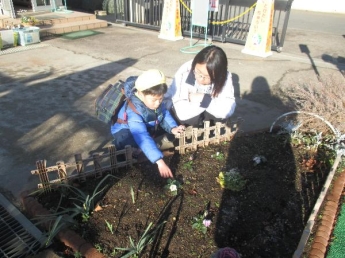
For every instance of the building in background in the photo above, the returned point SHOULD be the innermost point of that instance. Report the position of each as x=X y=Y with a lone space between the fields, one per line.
x=10 y=7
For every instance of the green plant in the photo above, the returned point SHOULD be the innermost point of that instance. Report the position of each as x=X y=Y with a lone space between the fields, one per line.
x=77 y=254
x=84 y=202
x=61 y=221
x=132 y=194
x=87 y=201
x=110 y=227
x=231 y=180
x=218 y=156
x=173 y=186
x=98 y=247
x=113 y=253
x=188 y=165
x=145 y=239
x=29 y=19
x=201 y=222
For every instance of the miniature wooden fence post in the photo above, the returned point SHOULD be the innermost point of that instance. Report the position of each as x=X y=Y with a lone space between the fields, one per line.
x=113 y=159
x=61 y=170
x=79 y=167
x=207 y=133
x=129 y=156
x=97 y=165
x=43 y=175
x=182 y=143
x=228 y=133
x=217 y=132
x=195 y=139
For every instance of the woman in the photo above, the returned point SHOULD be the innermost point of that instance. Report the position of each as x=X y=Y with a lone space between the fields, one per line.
x=202 y=89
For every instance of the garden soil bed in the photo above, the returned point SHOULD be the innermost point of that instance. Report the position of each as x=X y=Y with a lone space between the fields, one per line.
x=264 y=219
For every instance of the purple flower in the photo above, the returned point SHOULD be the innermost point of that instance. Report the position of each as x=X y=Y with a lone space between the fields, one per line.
x=227 y=252
x=206 y=222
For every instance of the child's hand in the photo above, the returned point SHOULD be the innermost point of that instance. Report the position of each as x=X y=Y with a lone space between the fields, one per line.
x=164 y=170
x=178 y=129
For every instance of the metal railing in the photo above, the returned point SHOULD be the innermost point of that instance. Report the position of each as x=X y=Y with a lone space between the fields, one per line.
x=223 y=27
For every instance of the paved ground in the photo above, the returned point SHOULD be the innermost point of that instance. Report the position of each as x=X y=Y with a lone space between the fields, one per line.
x=48 y=89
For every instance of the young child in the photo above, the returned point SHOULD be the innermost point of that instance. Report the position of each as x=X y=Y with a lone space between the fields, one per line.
x=202 y=89
x=140 y=119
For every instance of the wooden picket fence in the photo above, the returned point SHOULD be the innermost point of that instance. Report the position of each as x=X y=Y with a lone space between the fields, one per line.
x=94 y=166
x=201 y=137
x=107 y=162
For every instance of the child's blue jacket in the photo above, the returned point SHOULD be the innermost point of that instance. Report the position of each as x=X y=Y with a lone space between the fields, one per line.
x=142 y=125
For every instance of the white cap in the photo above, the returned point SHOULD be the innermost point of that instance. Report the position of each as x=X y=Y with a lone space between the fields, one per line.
x=149 y=79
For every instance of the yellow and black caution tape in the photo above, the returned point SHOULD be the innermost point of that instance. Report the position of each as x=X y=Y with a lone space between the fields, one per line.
x=222 y=22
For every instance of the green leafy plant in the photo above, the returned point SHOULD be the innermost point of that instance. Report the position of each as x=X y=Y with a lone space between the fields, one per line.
x=218 y=156
x=84 y=203
x=87 y=202
x=29 y=19
x=77 y=254
x=188 y=165
x=231 y=180
x=55 y=223
x=198 y=224
x=201 y=222
x=173 y=185
x=110 y=227
x=113 y=253
x=145 y=239
x=98 y=247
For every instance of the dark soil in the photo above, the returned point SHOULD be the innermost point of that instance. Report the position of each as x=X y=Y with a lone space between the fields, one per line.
x=264 y=219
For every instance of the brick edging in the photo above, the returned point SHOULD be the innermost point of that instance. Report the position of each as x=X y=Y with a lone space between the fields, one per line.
x=325 y=227
x=67 y=236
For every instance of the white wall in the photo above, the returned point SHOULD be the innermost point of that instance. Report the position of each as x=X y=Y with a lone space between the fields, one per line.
x=328 y=6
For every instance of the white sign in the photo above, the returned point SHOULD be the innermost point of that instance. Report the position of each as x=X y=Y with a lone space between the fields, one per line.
x=214 y=5
x=171 y=21
x=259 y=38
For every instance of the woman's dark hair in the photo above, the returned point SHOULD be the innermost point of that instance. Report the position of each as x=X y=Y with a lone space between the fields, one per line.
x=217 y=66
x=158 y=90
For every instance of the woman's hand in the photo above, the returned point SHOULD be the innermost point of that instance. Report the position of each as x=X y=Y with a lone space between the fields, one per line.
x=163 y=168
x=178 y=129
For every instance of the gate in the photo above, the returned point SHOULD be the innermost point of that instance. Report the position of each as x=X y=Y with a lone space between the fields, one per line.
x=230 y=24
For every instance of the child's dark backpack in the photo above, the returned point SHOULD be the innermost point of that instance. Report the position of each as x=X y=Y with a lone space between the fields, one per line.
x=109 y=103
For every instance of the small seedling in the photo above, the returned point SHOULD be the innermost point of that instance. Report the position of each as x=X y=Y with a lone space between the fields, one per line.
x=113 y=253
x=173 y=185
x=198 y=224
x=98 y=247
x=201 y=222
x=77 y=254
x=110 y=227
x=188 y=165
x=218 y=156
x=144 y=240
x=132 y=194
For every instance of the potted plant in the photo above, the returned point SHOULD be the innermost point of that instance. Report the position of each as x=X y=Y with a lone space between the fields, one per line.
x=29 y=21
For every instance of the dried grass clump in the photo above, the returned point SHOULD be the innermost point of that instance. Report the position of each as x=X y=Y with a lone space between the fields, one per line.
x=325 y=98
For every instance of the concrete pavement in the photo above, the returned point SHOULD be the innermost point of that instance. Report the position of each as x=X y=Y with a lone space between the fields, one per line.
x=47 y=90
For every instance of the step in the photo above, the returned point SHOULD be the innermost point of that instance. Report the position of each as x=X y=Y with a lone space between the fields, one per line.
x=62 y=28
x=48 y=18
x=60 y=18
x=5 y=20
x=58 y=22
